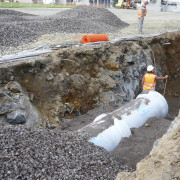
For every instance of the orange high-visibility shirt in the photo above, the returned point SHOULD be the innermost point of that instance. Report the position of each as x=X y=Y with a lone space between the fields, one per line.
x=142 y=11
x=149 y=82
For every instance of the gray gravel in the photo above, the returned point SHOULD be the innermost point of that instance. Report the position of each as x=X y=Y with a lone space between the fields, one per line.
x=52 y=154
x=155 y=22
x=17 y=27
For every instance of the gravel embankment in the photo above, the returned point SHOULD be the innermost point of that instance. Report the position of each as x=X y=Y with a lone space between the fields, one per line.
x=52 y=154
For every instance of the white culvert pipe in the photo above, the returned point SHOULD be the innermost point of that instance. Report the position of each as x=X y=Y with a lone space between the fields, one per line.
x=107 y=129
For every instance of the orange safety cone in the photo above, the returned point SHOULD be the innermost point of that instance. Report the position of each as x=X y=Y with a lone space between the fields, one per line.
x=94 y=38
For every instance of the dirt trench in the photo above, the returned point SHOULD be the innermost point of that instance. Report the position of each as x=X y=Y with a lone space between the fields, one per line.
x=71 y=81
x=69 y=87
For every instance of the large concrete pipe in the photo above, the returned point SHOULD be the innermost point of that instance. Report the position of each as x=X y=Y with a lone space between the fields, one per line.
x=107 y=129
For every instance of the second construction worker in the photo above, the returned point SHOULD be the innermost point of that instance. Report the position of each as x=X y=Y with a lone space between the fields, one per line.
x=149 y=80
x=141 y=13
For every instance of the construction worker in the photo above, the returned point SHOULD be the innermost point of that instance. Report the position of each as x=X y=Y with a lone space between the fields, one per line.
x=149 y=80
x=141 y=13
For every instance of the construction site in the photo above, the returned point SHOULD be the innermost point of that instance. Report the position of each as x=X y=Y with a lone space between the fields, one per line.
x=71 y=102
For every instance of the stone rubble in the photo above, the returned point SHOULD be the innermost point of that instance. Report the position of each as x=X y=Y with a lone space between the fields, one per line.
x=52 y=154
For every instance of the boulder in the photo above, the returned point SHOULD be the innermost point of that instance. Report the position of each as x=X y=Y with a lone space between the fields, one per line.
x=15 y=106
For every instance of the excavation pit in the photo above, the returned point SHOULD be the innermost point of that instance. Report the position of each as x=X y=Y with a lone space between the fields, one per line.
x=68 y=87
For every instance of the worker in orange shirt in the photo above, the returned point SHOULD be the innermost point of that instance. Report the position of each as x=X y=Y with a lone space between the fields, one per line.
x=149 y=80
x=141 y=13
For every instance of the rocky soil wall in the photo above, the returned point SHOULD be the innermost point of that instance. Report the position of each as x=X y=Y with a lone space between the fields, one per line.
x=71 y=81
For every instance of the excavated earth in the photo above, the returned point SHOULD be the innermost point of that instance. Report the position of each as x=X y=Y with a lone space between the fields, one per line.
x=63 y=90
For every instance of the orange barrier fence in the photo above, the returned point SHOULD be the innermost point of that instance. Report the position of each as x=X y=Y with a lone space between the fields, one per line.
x=94 y=38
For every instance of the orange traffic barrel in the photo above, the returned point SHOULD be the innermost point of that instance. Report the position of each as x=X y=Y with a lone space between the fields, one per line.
x=94 y=38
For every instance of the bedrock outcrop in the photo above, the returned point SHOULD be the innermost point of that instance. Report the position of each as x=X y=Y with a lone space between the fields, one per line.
x=15 y=106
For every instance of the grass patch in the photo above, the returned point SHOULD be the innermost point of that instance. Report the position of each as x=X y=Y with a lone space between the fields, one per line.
x=20 y=5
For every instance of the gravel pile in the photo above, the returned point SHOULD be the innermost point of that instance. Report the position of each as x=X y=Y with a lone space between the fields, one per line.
x=17 y=27
x=52 y=154
x=86 y=19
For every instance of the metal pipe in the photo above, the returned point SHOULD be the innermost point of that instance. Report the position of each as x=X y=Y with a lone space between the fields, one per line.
x=107 y=129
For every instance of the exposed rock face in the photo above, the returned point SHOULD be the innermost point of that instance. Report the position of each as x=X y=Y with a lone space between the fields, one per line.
x=15 y=106
x=74 y=80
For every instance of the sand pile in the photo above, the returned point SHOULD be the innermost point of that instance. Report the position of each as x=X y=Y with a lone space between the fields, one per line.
x=17 y=28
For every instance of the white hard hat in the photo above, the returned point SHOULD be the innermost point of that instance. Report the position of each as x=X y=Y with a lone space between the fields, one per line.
x=150 y=68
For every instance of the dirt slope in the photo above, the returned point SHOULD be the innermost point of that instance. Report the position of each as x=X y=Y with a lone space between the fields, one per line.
x=163 y=161
x=133 y=149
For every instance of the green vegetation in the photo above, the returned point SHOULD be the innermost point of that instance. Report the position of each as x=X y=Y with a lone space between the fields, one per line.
x=19 y=5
